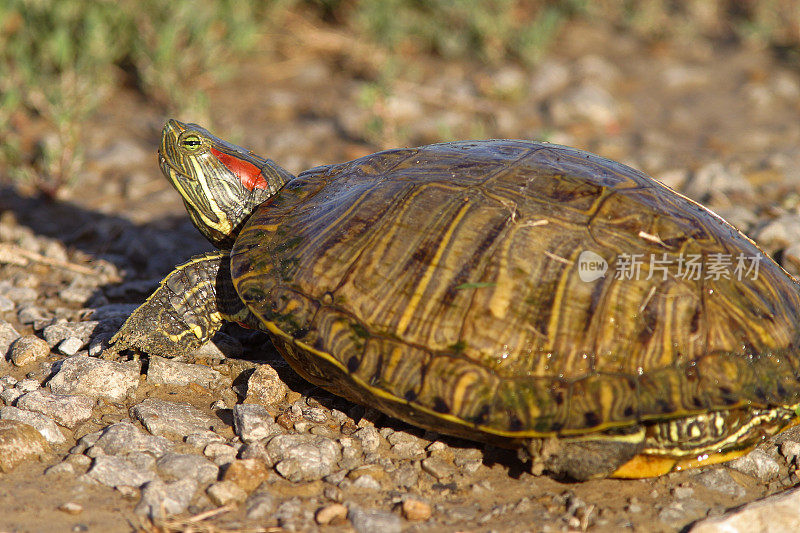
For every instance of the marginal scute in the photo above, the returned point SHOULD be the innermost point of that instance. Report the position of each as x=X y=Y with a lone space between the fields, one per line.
x=527 y=401
x=606 y=397
x=398 y=368
x=339 y=335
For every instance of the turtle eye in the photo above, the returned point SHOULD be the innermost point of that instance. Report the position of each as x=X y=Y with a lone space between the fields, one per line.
x=191 y=142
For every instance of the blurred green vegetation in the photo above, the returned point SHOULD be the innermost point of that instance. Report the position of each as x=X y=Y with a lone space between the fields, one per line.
x=491 y=31
x=60 y=58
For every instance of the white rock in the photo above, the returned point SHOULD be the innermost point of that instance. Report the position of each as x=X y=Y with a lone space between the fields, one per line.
x=69 y=410
x=27 y=385
x=172 y=419
x=264 y=386
x=125 y=438
x=188 y=465
x=549 y=78
x=252 y=422
x=587 y=102
x=70 y=346
x=115 y=471
x=166 y=372
x=42 y=423
x=225 y=492
x=780 y=233
x=7 y=337
x=775 y=514
x=757 y=464
x=95 y=378
x=160 y=499
x=304 y=457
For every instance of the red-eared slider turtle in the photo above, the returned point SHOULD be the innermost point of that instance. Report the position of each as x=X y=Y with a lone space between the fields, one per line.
x=512 y=292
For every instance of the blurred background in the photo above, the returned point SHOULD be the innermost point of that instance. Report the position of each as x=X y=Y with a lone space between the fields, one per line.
x=702 y=94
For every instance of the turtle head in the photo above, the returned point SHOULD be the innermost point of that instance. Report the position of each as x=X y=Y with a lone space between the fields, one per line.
x=221 y=183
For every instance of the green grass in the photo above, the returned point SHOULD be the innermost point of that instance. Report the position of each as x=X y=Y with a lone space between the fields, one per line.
x=59 y=59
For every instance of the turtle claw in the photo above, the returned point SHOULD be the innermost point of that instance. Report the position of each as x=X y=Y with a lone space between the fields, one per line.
x=110 y=348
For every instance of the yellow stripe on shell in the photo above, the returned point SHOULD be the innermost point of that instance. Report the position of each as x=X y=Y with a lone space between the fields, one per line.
x=419 y=292
x=555 y=308
x=461 y=388
x=501 y=294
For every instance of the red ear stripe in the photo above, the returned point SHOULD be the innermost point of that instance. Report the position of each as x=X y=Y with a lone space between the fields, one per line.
x=248 y=173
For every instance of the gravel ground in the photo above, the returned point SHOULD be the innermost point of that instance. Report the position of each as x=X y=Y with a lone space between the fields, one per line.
x=231 y=436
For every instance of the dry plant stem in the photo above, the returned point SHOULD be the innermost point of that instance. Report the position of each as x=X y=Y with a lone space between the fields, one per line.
x=15 y=255
x=193 y=524
x=211 y=513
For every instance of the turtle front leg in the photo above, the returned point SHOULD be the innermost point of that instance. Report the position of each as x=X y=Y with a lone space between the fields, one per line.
x=186 y=310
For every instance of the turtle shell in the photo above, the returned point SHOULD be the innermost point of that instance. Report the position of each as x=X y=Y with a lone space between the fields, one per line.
x=480 y=288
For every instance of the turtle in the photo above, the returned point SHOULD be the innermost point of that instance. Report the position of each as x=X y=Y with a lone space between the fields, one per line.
x=522 y=294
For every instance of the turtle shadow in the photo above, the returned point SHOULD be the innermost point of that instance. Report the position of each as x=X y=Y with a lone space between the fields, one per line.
x=140 y=253
x=492 y=456
x=135 y=249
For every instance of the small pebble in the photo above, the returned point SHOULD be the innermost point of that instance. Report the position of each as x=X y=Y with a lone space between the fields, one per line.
x=67 y=410
x=70 y=346
x=304 y=457
x=202 y=439
x=43 y=424
x=9 y=396
x=757 y=464
x=60 y=469
x=28 y=349
x=159 y=499
x=95 y=378
x=253 y=422
x=260 y=505
x=19 y=442
x=247 y=473
x=27 y=385
x=415 y=510
x=371 y=520
x=790 y=450
x=8 y=335
x=78 y=461
x=437 y=467
x=683 y=492
x=174 y=419
x=366 y=482
x=115 y=471
x=225 y=492
x=331 y=514
x=167 y=372
x=186 y=466
x=71 y=508
x=6 y=304
x=265 y=386
x=220 y=453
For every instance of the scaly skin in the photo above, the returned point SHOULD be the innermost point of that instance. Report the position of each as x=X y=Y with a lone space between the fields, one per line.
x=187 y=309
